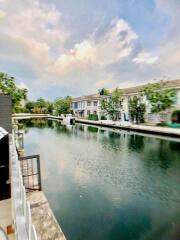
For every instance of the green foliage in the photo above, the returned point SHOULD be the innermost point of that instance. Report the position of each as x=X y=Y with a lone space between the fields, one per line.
x=8 y=87
x=20 y=109
x=50 y=108
x=30 y=106
x=136 y=109
x=103 y=92
x=103 y=117
x=159 y=96
x=112 y=103
x=93 y=117
x=40 y=106
x=175 y=117
x=63 y=105
x=92 y=129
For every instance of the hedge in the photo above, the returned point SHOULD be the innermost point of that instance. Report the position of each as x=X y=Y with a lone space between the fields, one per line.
x=93 y=117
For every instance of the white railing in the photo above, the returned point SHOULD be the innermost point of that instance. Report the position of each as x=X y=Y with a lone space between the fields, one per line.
x=24 y=229
x=29 y=115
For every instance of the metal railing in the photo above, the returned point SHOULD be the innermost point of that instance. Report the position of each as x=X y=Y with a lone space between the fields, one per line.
x=24 y=229
x=31 y=173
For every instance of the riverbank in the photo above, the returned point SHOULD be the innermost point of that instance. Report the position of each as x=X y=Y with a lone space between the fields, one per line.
x=43 y=218
x=134 y=127
x=165 y=131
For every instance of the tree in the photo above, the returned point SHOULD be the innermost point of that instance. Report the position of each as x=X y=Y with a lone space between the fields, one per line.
x=30 y=106
x=159 y=96
x=8 y=87
x=63 y=105
x=112 y=103
x=136 y=109
x=40 y=106
x=50 y=107
x=103 y=91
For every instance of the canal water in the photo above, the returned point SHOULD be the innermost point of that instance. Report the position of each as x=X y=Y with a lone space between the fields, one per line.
x=108 y=185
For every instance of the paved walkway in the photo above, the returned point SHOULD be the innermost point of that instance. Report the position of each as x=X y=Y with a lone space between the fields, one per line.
x=6 y=217
x=43 y=218
x=139 y=128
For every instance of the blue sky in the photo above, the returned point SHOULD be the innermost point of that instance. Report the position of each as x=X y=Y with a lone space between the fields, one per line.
x=57 y=48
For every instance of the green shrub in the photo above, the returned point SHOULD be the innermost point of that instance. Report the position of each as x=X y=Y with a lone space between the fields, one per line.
x=93 y=117
x=175 y=117
x=161 y=124
x=103 y=118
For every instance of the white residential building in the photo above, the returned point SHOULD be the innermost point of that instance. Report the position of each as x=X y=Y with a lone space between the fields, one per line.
x=85 y=105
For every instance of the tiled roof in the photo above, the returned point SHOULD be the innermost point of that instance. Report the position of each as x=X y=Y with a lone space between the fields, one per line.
x=136 y=89
x=130 y=90
x=91 y=97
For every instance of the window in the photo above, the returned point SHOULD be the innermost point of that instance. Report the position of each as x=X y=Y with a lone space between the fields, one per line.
x=88 y=112
x=95 y=103
x=95 y=112
x=75 y=105
x=89 y=103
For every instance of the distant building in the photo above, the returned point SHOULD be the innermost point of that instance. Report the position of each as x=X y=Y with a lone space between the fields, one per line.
x=86 y=105
x=166 y=116
x=90 y=104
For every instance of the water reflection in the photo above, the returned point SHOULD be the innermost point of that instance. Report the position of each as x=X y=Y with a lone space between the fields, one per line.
x=136 y=142
x=92 y=129
x=105 y=184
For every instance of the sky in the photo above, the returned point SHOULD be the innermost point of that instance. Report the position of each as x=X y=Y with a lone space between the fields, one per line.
x=56 y=48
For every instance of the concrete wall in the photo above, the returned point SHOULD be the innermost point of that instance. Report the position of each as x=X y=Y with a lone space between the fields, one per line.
x=5 y=112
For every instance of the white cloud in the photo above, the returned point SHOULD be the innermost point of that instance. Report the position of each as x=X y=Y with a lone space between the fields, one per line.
x=22 y=85
x=114 y=45
x=145 y=58
x=117 y=43
x=104 y=82
x=83 y=53
x=169 y=50
x=35 y=26
x=34 y=34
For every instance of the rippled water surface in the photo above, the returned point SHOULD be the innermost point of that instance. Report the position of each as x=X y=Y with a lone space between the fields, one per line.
x=105 y=185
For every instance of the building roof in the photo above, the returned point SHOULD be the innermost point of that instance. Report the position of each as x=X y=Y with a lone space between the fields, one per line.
x=127 y=91
x=136 y=89
x=91 y=97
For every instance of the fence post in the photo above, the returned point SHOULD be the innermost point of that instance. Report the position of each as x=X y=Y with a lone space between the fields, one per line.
x=24 y=201
x=39 y=172
x=28 y=219
x=33 y=233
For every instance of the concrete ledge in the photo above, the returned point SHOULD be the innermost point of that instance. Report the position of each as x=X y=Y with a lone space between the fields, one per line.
x=165 y=131
x=43 y=218
x=133 y=127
